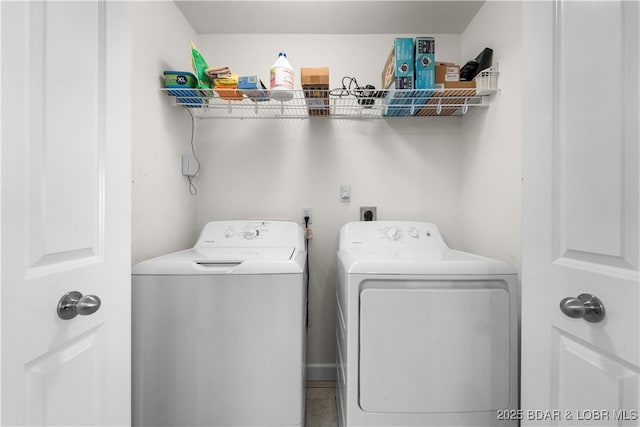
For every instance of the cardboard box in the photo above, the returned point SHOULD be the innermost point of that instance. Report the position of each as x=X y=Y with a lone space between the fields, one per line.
x=253 y=88
x=399 y=103
x=404 y=57
x=226 y=87
x=388 y=73
x=425 y=66
x=398 y=70
x=447 y=72
x=315 y=84
x=456 y=85
x=447 y=103
x=310 y=76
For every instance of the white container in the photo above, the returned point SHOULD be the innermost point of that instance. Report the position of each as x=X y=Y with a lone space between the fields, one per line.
x=282 y=79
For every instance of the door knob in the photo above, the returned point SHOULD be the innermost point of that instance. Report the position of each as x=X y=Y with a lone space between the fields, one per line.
x=586 y=306
x=73 y=303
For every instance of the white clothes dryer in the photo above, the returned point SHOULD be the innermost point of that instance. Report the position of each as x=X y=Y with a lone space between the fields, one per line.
x=426 y=335
x=219 y=331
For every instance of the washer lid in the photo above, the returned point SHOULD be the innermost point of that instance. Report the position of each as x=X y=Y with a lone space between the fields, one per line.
x=408 y=261
x=241 y=260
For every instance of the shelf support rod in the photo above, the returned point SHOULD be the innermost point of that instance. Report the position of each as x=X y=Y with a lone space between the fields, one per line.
x=465 y=107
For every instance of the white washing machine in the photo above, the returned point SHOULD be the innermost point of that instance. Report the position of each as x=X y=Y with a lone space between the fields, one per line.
x=426 y=335
x=219 y=331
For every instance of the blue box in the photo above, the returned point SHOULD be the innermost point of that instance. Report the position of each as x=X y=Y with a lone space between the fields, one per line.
x=404 y=57
x=253 y=88
x=399 y=103
x=425 y=69
x=425 y=64
x=181 y=84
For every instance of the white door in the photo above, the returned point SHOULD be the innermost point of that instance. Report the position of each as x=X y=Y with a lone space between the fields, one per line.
x=65 y=176
x=580 y=221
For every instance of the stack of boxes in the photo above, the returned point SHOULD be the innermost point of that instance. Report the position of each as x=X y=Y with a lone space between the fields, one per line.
x=398 y=73
x=448 y=77
x=315 y=84
x=411 y=76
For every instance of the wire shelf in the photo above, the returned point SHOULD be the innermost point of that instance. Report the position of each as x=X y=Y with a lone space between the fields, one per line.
x=246 y=104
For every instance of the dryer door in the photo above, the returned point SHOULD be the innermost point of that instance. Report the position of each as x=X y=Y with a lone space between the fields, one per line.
x=434 y=346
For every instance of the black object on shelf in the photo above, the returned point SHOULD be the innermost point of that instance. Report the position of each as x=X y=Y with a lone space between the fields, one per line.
x=473 y=67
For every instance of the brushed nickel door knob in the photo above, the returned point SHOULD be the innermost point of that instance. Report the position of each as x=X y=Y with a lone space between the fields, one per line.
x=74 y=303
x=586 y=306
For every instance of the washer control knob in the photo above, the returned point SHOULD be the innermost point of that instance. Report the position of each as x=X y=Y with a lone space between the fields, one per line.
x=414 y=233
x=228 y=233
x=251 y=233
x=393 y=233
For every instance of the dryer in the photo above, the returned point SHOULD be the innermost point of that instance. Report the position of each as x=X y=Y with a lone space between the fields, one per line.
x=219 y=330
x=426 y=335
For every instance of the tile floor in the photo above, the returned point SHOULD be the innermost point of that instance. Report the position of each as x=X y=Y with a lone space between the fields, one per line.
x=321 y=404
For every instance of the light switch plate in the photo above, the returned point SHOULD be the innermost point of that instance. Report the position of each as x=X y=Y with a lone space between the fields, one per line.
x=345 y=193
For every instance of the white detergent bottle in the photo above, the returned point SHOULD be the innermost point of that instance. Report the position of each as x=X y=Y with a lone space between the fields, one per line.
x=282 y=79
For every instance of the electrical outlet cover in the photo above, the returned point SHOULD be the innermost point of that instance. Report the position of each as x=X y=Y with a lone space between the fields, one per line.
x=368 y=213
x=307 y=212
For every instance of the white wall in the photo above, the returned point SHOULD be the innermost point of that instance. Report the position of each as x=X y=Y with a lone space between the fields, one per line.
x=163 y=214
x=409 y=169
x=491 y=162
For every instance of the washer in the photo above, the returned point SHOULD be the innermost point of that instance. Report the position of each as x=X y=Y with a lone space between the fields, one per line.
x=219 y=331
x=426 y=335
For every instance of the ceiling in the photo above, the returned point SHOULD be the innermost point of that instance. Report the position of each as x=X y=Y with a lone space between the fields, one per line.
x=329 y=16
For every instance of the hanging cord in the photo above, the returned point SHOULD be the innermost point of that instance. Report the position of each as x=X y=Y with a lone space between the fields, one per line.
x=347 y=89
x=306 y=248
x=193 y=190
x=365 y=94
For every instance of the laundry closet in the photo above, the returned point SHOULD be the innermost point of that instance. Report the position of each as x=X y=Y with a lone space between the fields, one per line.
x=543 y=177
x=462 y=173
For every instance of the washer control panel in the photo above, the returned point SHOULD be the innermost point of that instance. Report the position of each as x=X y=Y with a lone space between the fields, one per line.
x=247 y=230
x=263 y=233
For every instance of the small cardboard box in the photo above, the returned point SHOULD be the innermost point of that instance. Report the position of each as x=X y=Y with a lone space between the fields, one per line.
x=311 y=76
x=315 y=84
x=447 y=72
x=226 y=87
x=456 y=85
x=253 y=88
x=388 y=71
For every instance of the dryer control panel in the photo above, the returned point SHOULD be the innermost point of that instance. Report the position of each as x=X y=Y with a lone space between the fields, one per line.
x=251 y=233
x=407 y=234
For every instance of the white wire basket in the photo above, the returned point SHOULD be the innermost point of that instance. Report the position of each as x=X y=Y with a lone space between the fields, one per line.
x=487 y=78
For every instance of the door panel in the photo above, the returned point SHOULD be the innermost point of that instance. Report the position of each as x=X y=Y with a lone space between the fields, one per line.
x=65 y=165
x=50 y=377
x=594 y=85
x=65 y=197
x=580 y=214
x=582 y=365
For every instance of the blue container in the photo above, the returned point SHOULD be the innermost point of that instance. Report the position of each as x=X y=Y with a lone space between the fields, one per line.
x=183 y=83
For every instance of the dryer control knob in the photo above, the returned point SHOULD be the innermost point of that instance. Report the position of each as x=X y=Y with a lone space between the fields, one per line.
x=228 y=233
x=414 y=233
